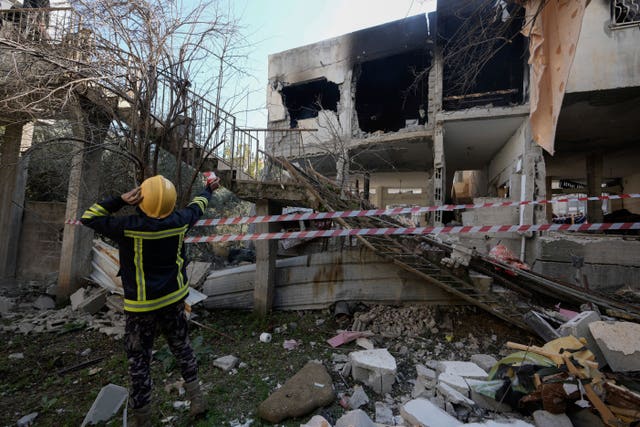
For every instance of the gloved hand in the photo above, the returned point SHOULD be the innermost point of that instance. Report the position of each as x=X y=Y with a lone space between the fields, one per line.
x=213 y=182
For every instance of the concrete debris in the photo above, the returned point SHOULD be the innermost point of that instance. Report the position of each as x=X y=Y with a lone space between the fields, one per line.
x=6 y=306
x=384 y=414
x=307 y=390
x=365 y=343
x=457 y=382
x=226 y=363
x=547 y=419
x=453 y=396
x=484 y=361
x=27 y=420
x=316 y=421
x=463 y=369
x=481 y=282
x=89 y=300
x=394 y=322
x=16 y=356
x=426 y=376
x=578 y=326
x=375 y=368
x=356 y=418
x=77 y=298
x=44 y=302
x=110 y=399
x=197 y=272
x=358 y=398
x=619 y=343
x=422 y=412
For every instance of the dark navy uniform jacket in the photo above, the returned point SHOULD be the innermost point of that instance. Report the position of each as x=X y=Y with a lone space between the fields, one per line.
x=152 y=255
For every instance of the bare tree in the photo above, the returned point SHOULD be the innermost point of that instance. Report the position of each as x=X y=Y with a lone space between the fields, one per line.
x=146 y=70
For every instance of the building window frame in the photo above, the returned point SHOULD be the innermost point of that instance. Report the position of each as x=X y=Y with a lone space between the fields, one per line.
x=624 y=14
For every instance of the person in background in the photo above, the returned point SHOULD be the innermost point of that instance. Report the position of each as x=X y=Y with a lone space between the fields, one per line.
x=153 y=272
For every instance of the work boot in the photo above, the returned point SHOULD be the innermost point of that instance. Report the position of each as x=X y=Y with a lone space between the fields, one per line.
x=142 y=416
x=194 y=394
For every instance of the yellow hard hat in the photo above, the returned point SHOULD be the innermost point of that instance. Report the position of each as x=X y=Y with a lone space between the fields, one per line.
x=158 y=197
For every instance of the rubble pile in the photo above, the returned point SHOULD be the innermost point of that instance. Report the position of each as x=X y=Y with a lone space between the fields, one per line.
x=85 y=311
x=393 y=322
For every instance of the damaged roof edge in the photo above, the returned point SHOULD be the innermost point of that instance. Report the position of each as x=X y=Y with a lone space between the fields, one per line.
x=396 y=36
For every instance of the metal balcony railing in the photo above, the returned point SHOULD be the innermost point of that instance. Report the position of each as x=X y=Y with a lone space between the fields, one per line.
x=59 y=26
x=207 y=130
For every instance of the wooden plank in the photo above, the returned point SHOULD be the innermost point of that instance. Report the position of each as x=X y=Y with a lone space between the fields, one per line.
x=266 y=251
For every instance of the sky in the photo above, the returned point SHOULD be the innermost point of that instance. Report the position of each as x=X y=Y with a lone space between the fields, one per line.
x=276 y=25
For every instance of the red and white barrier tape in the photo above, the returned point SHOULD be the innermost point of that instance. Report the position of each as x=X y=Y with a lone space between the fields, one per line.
x=415 y=230
x=394 y=211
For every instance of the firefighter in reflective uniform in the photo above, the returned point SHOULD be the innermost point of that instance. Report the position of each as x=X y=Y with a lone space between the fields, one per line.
x=152 y=268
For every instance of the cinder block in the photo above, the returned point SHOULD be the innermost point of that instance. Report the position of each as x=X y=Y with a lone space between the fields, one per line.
x=579 y=328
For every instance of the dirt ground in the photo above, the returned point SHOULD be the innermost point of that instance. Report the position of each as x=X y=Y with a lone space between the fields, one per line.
x=38 y=382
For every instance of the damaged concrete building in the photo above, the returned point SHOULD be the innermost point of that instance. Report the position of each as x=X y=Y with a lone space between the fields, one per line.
x=435 y=109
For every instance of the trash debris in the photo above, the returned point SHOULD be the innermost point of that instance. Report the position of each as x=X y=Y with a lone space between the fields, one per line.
x=290 y=344
x=347 y=336
x=110 y=399
x=502 y=254
x=265 y=337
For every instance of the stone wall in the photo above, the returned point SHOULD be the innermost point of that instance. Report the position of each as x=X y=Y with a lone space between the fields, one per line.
x=40 y=240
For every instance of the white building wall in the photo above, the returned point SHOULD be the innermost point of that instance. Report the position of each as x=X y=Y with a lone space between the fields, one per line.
x=606 y=58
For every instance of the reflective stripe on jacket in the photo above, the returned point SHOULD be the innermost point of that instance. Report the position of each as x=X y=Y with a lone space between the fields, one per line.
x=152 y=254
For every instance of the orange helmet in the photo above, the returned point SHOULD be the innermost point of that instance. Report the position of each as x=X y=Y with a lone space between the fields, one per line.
x=158 y=197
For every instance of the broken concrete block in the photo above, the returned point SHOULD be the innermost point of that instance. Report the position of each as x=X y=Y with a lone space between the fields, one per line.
x=453 y=396
x=77 y=298
x=457 y=382
x=358 y=398
x=107 y=404
x=484 y=361
x=426 y=376
x=316 y=421
x=375 y=368
x=619 y=343
x=44 y=303
x=356 y=418
x=6 y=305
x=27 y=420
x=93 y=302
x=197 y=272
x=384 y=414
x=421 y=412
x=579 y=328
x=480 y=281
x=419 y=390
x=547 y=419
x=365 y=343
x=307 y=390
x=463 y=369
x=226 y=363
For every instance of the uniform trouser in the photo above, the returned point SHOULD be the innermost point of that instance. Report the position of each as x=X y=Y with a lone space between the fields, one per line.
x=140 y=332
